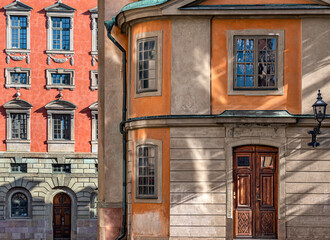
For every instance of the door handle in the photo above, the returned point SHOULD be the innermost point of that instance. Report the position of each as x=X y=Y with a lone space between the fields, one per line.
x=234 y=195
x=257 y=193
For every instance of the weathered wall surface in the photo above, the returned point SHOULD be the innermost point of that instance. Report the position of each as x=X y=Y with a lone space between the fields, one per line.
x=315 y=61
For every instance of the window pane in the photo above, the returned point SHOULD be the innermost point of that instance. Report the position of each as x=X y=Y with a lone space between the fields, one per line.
x=18 y=125
x=240 y=44
x=61 y=126
x=19 y=205
x=240 y=82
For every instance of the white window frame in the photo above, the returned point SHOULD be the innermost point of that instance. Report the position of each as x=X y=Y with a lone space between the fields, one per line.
x=94 y=27
x=158 y=170
x=59 y=10
x=94 y=113
x=10 y=194
x=280 y=61
x=49 y=83
x=60 y=107
x=18 y=106
x=94 y=84
x=9 y=84
x=159 y=66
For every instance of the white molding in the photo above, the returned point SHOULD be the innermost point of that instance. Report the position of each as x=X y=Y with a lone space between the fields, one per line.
x=94 y=84
x=8 y=83
x=50 y=85
x=94 y=112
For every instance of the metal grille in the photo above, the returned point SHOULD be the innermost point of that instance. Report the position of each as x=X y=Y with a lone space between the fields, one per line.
x=61 y=168
x=61 y=33
x=146 y=175
x=61 y=79
x=18 y=32
x=18 y=78
x=255 y=64
x=18 y=126
x=19 y=205
x=18 y=167
x=61 y=126
x=147 y=65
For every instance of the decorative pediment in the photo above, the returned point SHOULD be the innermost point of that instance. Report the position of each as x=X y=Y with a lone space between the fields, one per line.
x=17 y=6
x=93 y=10
x=60 y=105
x=93 y=107
x=60 y=7
x=17 y=104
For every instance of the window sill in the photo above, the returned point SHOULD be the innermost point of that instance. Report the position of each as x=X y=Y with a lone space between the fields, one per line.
x=94 y=144
x=17 y=86
x=17 y=50
x=18 y=141
x=278 y=92
x=59 y=87
x=94 y=53
x=65 y=52
x=61 y=141
x=61 y=145
x=94 y=88
x=18 y=145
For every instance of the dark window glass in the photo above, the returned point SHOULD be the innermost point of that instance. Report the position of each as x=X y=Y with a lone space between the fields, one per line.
x=19 y=205
x=96 y=127
x=243 y=161
x=96 y=168
x=62 y=126
x=61 y=168
x=18 y=78
x=61 y=33
x=18 y=167
x=18 y=32
x=18 y=126
x=61 y=79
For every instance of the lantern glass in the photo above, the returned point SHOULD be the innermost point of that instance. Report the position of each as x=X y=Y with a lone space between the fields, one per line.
x=319 y=112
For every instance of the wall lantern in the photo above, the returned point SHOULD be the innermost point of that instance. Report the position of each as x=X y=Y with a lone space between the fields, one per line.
x=319 y=109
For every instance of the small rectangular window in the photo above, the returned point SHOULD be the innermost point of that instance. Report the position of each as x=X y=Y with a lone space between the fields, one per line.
x=18 y=78
x=146 y=172
x=18 y=167
x=96 y=168
x=243 y=161
x=255 y=66
x=147 y=65
x=60 y=79
x=61 y=126
x=18 y=32
x=18 y=125
x=61 y=168
x=61 y=33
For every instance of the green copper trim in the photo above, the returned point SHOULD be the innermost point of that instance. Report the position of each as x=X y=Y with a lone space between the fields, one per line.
x=142 y=4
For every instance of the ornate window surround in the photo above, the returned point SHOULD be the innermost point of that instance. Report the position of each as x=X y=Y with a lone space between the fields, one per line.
x=280 y=63
x=159 y=65
x=94 y=26
x=158 y=170
x=94 y=84
x=18 y=106
x=50 y=85
x=60 y=107
x=59 y=9
x=17 y=8
x=94 y=111
x=9 y=195
x=8 y=83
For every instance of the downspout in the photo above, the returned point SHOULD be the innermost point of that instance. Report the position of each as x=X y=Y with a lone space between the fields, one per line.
x=109 y=25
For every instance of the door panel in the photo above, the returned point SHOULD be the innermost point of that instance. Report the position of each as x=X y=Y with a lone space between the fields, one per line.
x=255 y=191
x=62 y=216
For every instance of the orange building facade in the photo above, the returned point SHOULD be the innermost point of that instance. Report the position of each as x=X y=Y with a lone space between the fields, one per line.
x=216 y=109
x=48 y=108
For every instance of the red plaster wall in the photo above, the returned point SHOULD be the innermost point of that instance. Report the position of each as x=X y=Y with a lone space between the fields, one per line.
x=38 y=96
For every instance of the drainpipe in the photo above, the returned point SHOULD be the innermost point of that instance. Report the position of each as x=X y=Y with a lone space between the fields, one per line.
x=109 y=25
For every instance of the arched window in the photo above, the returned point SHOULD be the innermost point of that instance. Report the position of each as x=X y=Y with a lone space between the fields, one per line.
x=19 y=205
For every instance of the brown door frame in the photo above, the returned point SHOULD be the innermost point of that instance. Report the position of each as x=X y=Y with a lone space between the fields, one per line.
x=257 y=171
x=62 y=207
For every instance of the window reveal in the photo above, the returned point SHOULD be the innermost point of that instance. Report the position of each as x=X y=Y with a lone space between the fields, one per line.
x=19 y=205
x=61 y=33
x=18 y=32
x=61 y=126
x=146 y=172
x=256 y=62
x=147 y=64
x=18 y=126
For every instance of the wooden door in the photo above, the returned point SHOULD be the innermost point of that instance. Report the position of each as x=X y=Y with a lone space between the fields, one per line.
x=255 y=192
x=62 y=216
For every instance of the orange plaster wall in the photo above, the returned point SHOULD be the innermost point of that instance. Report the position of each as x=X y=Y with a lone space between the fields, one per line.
x=163 y=209
x=291 y=100
x=38 y=96
x=158 y=105
x=244 y=2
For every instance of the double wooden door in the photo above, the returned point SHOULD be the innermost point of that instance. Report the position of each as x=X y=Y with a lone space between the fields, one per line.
x=255 y=192
x=62 y=217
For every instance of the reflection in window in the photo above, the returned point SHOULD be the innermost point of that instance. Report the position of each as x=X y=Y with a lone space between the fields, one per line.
x=18 y=125
x=61 y=33
x=18 y=167
x=18 y=78
x=60 y=79
x=18 y=32
x=256 y=59
x=267 y=161
x=19 y=205
x=61 y=126
x=61 y=168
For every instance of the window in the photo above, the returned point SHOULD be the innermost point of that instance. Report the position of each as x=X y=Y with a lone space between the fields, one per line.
x=61 y=33
x=18 y=31
x=255 y=62
x=94 y=80
x=93 y=205
x=18 y=125
x=18 y=167
x=19 y=205
x=148 y=171
x=60 y=78
x=61 y=126
x=18 y=77
x=96 y=168
x=61 y=168
x=148 y=64
x=94 y=113
x=94 y=26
